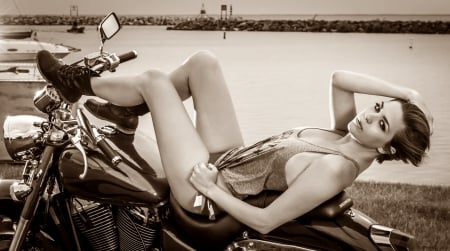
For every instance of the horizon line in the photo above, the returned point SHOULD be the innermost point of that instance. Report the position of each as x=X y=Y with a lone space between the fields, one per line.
x=252 y=14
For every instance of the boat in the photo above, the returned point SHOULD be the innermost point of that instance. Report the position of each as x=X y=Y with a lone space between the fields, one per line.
x=75 y=28
x=25 y=50
x=19 y=72
x=78 y=29
x=14 y=34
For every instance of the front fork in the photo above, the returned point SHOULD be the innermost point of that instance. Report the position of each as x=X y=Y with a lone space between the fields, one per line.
x=38 y=186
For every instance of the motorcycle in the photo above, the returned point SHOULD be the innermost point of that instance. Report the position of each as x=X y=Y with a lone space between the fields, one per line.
x=86 y=187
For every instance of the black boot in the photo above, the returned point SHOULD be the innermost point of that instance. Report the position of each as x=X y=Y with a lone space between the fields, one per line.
x=70 y=81
x=125 y=118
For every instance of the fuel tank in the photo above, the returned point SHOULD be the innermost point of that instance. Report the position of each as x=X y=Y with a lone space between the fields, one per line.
x=132 y=182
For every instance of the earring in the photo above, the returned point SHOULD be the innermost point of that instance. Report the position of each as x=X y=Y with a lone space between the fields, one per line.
x=393 y=150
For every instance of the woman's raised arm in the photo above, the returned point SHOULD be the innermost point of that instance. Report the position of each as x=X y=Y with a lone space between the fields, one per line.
x=344 y=84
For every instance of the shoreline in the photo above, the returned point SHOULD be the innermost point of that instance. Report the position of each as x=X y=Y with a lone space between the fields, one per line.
x=211 y=23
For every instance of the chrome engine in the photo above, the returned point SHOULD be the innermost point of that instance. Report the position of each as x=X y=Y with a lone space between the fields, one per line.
x=109 y=228
x=136 y=231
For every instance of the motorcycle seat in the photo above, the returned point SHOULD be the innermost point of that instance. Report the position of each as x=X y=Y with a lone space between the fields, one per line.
x=225 y=228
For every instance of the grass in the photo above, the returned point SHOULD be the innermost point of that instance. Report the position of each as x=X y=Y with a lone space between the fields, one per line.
x=422 y=211
x=10 y=169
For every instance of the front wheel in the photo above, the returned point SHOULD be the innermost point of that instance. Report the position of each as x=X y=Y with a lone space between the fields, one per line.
x=34 y=241
x=6 y=232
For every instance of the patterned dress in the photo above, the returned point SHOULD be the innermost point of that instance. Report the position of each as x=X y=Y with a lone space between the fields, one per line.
x=250 y=170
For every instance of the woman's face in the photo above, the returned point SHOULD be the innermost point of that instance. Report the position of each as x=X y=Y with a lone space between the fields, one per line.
x=376 y=125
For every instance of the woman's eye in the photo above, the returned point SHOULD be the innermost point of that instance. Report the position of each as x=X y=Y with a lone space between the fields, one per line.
x=377 y=107
x=382 y=125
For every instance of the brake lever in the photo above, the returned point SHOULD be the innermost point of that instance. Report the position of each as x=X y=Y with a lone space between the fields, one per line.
x=76 y=141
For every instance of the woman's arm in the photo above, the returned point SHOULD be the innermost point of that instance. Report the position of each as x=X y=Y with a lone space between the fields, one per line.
x=344 y=84
x=325 y=178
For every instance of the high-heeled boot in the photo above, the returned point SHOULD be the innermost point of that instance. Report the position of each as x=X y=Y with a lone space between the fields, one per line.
x=69 y=81
x=125 y=118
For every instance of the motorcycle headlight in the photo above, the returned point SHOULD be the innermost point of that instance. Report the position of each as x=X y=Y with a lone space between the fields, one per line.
x=20 y=134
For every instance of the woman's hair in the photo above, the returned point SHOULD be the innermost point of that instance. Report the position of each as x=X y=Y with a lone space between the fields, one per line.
x=412 y=142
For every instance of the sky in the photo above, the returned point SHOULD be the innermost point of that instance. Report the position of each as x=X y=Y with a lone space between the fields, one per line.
x=192 y=7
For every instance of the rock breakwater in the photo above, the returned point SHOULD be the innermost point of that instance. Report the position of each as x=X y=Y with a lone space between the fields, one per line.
x=87 y=20
x=239 y=24
x=373 y=26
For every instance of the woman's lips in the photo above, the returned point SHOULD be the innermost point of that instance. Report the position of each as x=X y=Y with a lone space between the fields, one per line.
x=358 y=123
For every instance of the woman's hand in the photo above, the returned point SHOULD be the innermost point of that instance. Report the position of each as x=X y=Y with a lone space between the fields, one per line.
x=417 y=99
x=204 y=177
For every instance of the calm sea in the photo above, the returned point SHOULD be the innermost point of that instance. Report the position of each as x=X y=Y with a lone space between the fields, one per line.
x=280 y=80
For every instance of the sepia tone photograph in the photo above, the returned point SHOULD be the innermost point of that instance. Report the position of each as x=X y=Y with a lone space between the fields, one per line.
x=224 y=125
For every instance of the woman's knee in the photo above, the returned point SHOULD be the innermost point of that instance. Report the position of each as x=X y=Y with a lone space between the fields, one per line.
x=151 y=78
x=203 y=60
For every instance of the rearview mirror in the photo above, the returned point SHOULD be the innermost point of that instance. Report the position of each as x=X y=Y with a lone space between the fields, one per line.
x=109 y=26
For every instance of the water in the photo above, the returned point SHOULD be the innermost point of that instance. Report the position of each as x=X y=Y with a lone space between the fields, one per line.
x=280 y=80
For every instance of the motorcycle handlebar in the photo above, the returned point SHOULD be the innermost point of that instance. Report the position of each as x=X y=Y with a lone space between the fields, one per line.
x=128 y=56
x=111 y=62
x=99 y=139
x=110 y=153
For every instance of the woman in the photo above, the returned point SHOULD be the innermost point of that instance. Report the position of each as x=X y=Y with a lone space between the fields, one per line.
x=297 y=161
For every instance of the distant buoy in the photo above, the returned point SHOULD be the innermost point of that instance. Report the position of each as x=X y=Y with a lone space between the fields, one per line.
x=411 y=43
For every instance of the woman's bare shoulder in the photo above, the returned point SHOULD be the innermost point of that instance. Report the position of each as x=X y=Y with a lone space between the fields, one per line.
x=342 y=168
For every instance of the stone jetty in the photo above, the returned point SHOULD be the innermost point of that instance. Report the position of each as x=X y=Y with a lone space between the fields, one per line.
x=87 y=20
x=373 y=26
x=240 y=24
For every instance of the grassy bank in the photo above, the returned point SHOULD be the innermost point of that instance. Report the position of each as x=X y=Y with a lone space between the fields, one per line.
x=10 y=170
x=422 y=211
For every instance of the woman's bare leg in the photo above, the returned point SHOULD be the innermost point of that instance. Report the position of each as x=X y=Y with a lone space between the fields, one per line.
x=201 y=77
x=181 y=145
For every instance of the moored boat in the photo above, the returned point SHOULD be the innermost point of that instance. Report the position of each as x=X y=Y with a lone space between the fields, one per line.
x=25 y=50
x=19 y=72
x=78 y=29
x=15 y=34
